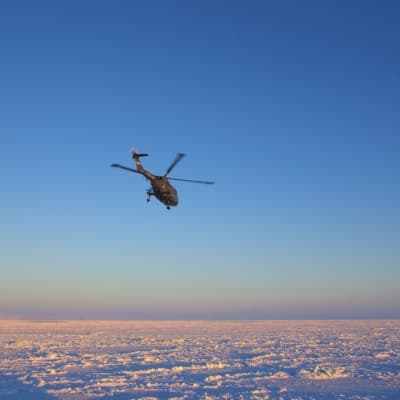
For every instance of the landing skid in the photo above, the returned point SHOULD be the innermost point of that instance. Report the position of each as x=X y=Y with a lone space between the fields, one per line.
x=149 y=194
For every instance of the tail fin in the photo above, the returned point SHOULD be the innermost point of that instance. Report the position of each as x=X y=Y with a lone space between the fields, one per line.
x=136 y=156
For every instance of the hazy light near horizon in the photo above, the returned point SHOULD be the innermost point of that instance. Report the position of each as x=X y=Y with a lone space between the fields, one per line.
x=252 y=297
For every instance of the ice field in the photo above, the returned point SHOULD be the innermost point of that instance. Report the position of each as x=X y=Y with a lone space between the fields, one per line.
x=124 y=360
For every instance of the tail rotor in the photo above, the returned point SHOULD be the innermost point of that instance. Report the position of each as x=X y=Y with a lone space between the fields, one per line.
x=136 y=155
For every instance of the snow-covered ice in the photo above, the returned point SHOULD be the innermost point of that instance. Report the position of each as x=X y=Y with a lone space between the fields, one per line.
x=121 y=360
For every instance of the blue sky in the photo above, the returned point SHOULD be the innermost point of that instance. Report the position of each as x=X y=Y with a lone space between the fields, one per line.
x=291 y=107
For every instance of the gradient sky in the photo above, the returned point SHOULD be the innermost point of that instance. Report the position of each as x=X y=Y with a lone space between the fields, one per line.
x=291 y=107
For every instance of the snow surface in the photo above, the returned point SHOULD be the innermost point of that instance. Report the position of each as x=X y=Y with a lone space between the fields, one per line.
x=121 y=360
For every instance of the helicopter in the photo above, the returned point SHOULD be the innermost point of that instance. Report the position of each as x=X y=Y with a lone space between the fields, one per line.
x=160 y=186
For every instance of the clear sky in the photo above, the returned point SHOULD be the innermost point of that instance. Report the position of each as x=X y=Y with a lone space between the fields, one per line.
x=291 y=107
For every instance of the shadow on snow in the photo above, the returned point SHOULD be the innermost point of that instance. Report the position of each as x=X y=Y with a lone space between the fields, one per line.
x=12 y=389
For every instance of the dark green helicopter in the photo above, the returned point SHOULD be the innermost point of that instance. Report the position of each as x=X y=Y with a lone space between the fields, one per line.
x=160 y=186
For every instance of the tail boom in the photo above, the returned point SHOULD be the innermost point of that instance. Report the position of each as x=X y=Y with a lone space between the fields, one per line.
x=139 y=166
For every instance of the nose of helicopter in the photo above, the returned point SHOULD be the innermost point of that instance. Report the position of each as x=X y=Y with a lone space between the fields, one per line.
x=173 y=197
x=170 y=199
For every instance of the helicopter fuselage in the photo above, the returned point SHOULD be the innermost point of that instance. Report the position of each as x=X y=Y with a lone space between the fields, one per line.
x=160 y=187
x=164 y=191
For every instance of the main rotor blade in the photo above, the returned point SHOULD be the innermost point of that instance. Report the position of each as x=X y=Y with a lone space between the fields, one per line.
x=122 y=167
x=178 y=158
x=191 y=180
